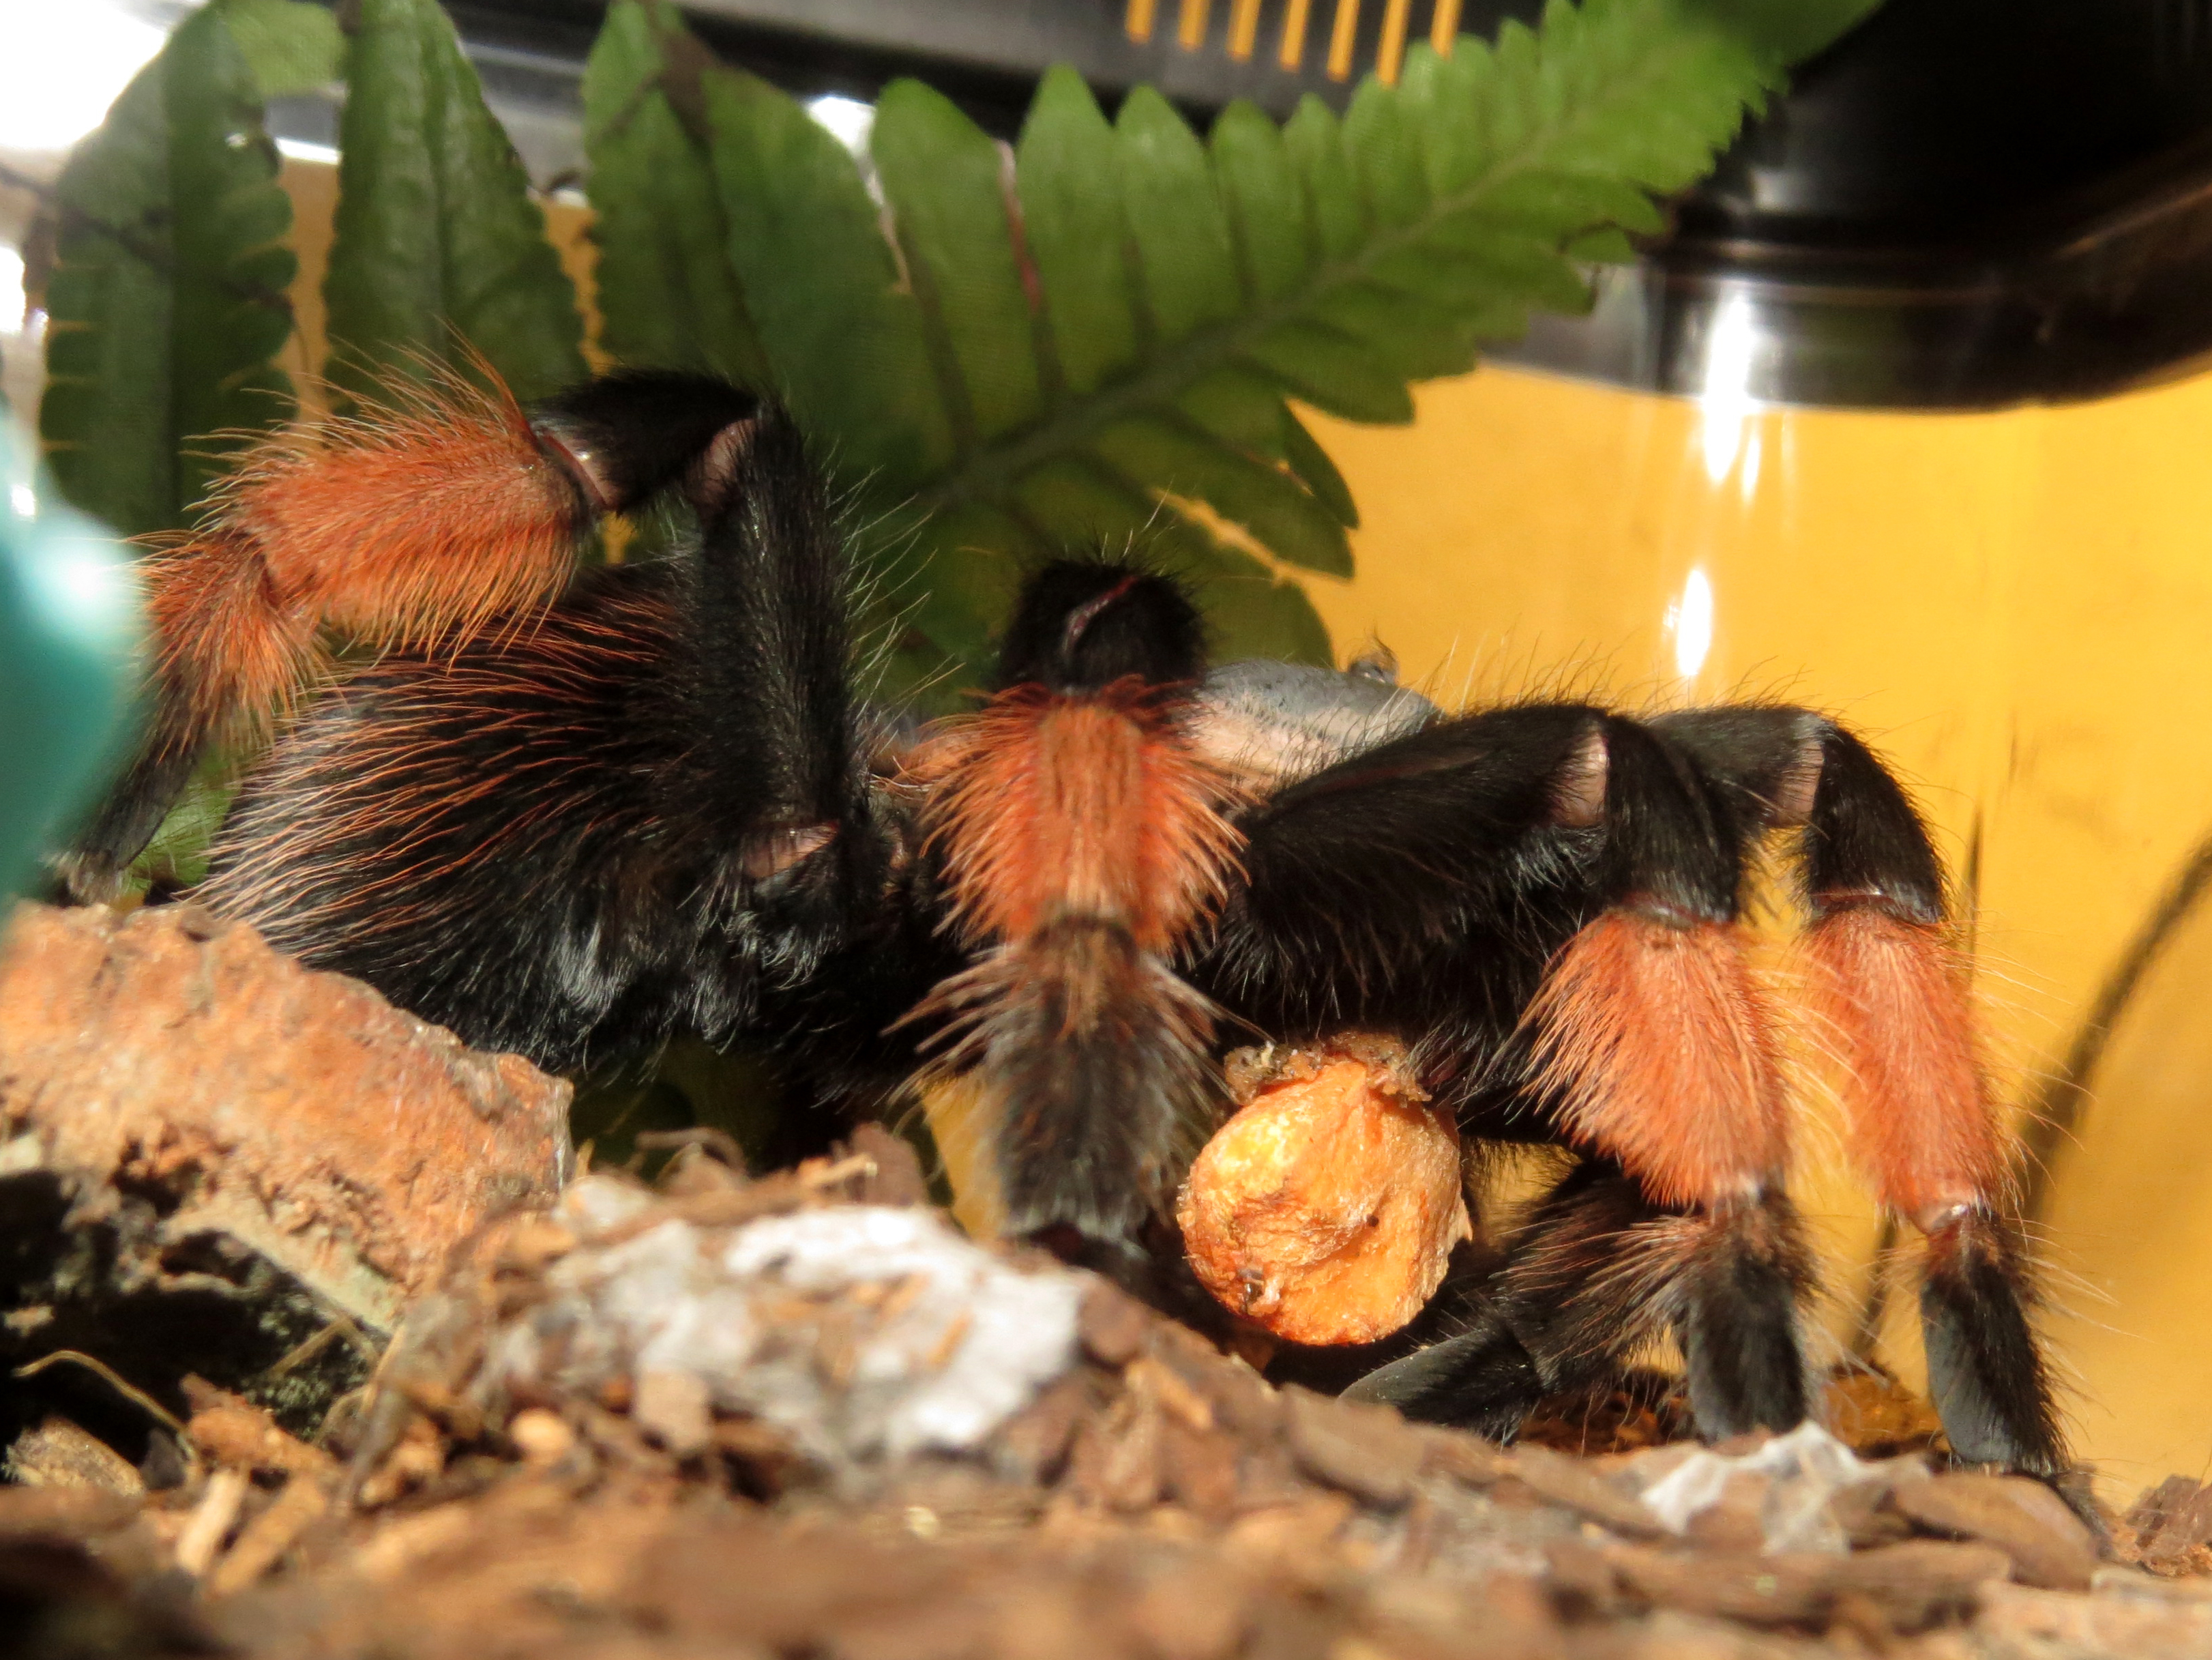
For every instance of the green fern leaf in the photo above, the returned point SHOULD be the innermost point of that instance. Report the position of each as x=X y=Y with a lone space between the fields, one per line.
x=1311 y=463
x=1072 y=212
x=1113 y=349
x=837 y=317
x=668 y=295
x=166 y=300
x=291 y=46
x=1334 y=262
x=947 y=186
x=1174 y=217
x=438 y=255
x=1250 y=612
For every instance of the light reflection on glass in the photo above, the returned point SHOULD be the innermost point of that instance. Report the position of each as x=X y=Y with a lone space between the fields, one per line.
x=1689 y=620
x=1725 y=399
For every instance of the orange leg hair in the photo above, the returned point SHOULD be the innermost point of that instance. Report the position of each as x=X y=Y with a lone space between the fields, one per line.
x=414 y=526
x=1893 y=1004
x=441 y=518
x=1082 y=842
x=1662 y=1045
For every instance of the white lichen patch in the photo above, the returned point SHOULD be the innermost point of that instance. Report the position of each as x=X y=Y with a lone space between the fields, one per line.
x=861 y=1332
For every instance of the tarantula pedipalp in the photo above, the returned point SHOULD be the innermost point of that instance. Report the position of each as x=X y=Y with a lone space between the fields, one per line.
x=568 y=816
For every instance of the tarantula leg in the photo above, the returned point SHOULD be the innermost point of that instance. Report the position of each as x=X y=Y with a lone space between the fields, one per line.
x=415 y=525
x=1660 y=1050
x=647 y=814
x=1922 y=1115
x=1082 y=839
x=1896 y=1009
x=1564 y=1308
x=1547 y=897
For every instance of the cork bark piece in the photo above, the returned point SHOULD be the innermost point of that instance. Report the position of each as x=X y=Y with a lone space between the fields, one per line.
x=209 y=1155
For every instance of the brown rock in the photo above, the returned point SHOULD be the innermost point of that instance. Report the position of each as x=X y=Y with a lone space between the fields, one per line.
x=2048 y=1545
x=1192 y=1611
x=2114 y=1580
x=1922 y=1580
x=1582 y=1578
x=1116 y=1463
x=1736 y=1520
x=673 y=1408
x=1864 y=1516
x=297 y=1113
x=1200 y=1472
x=897 y=1177
x=1767 y=1590
x=1239 y=1399
x=2158 y=1504
x=1032 y=1445
x=1036 y=1618
x=1292 y=1538
x=1515 y=1619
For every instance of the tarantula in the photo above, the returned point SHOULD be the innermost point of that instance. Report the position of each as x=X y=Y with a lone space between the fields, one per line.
x=570 y=815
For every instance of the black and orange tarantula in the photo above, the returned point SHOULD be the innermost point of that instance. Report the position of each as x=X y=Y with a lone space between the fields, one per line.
x=571 y=815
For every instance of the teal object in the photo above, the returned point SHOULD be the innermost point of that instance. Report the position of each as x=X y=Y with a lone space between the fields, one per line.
x=70 y=629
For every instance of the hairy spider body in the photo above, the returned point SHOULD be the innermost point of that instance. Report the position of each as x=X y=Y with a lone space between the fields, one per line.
x=573 y=817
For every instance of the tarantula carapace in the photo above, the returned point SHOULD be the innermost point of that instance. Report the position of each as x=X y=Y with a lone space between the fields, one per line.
x=571 y=815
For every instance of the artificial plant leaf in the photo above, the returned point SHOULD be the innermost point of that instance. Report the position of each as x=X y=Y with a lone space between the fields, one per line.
x=1176 y=458
x=166 y=300
x=1340 y=259
x=1608 y=246
x=1316 y=471
x=1175 y=218
x=438 y=255
x=1250 y=611
x=1071 y=204
x=946 y=183
x=1784 y=32
x=1268 y=211
x=842 y=333
x=668 y=295
x=957 y=575
x=1079 y=501
x=1331 y=370
x=1140 y=323
x=1240 y=405
x=1385 y=156
x=1315 y=143
x=290 y=46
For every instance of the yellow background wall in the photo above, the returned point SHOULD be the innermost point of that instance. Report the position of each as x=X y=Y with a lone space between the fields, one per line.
x=2013 y=606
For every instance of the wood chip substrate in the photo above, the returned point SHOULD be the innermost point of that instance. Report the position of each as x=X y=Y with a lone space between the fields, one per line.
x=803 y=1417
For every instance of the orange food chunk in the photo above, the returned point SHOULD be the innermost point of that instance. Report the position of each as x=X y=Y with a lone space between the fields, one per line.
x=1325 y=1210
